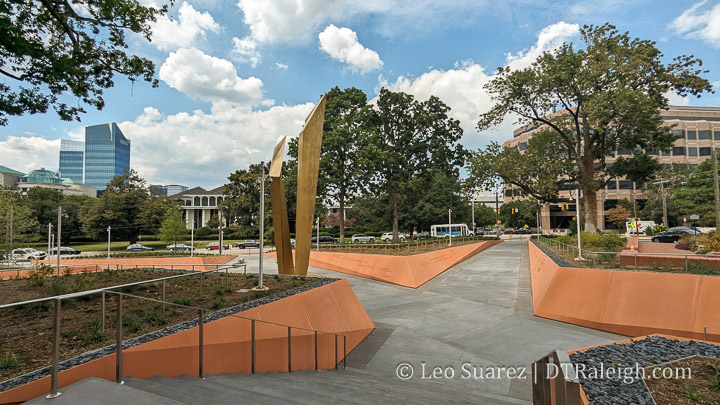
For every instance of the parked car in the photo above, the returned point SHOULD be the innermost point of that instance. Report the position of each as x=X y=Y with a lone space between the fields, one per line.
x=216 y=246
x=421 y=235
x=138 y=247
x=522 y=231
x=64 y=250
x=323 y=239
x=179 y=247
x=247 y=243
x=27 y=254
x=494 y=232
x=359 y=237
x=388 y=236
x=674 y=234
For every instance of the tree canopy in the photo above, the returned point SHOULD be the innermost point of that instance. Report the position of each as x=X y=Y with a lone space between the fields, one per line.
x=590 y=101
x=52 y=48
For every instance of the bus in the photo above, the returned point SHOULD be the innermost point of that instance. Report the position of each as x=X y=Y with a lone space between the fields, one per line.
x=440 y=231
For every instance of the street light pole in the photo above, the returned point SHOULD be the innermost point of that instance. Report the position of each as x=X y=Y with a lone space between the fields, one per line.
x=450 y=225
x=220 y=232
x=577 y=222
x=58 y=239
x=108 y=229
x=49 y=242
x=317 y=238
x=260 y=285
x=473 y=214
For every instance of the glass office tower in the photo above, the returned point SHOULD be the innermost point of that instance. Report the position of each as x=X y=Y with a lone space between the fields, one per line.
x=72 y=156
x=107 y=154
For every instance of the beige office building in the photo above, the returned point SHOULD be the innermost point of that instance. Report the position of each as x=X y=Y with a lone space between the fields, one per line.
x=699 y=129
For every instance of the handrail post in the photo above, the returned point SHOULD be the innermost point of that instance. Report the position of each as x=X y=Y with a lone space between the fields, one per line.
x=252 y=346
x=705 y=333
x=102 y=308
x=163 y=290
x=289 y=349
x=316 y=350
x=227 y=280
x=201 y=350
x=336 y=356
x=55 y=353
x=201 y=283
x=118 y=340
x=344 y=351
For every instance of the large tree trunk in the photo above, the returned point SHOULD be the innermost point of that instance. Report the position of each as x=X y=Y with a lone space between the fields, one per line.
x=589 y=197
x=393 y=202
x=342 y=215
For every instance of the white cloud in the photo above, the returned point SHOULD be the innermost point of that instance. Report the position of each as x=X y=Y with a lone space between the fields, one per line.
x=208 y=78
x=201 y=148
x=245 y=51
x=551 y=37
x=28 y=153
x=285 y=20
x=342 y=44
x=184 y=32
x=699 y=22
x=461 y=88
x=280 y=66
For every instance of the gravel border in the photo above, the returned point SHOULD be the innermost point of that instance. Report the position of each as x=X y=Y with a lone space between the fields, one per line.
x=651 y=351
x=551 y=254
x=108 y=350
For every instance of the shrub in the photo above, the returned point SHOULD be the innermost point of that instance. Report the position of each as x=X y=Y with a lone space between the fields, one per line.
x=36 y=278
x=712 y=241
x=131 y=322
x=183 y=301
x=154 y=317
x=203 y=232
x=218 y=303
x=96 y=333
x=683 y=246
x=58 y=286
x=8 y=360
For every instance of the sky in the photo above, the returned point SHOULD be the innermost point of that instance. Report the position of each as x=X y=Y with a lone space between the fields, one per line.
x=237 y=76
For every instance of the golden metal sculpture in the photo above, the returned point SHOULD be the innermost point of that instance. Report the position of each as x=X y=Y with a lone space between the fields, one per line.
x=309 y=144
x=279 y=208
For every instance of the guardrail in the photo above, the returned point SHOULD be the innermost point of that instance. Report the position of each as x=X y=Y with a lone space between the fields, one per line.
x=57 y=317
x=604 y=257
x=555 y=380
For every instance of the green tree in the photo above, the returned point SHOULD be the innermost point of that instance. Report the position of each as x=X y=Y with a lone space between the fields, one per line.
x=408 y=138
x=697 y=196
x=427 y=199
x=484 y=215
x=74 y=207
x=119 y=207
x=242 y=200
x=44 y=203
x=372 y=213
x=594 y=100
x=344 y=126
x=173 y=229
x=154 y=211
x=517 y=214
x=17 y=220
x=49 y=48
x=674 y=178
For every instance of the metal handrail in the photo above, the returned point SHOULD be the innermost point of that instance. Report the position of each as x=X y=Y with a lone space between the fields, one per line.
x=55 y=359
x=100 y=290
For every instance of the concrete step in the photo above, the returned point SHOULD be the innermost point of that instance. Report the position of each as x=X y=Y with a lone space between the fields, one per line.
x=272 y=390
x=96 y=391
x=196 y=386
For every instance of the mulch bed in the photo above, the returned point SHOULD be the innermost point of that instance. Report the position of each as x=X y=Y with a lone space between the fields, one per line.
x=702 y=386
x=26 y=332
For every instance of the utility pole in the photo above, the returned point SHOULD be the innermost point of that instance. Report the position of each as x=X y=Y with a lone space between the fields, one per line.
x=58 y=239
x=49 y=242
x=108 y=229
x=450 y=223
x=717 y=191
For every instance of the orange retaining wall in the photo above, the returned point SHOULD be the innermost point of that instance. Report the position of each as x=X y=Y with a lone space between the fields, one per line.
x=80 y=265
x=227 y=346
x=630 y=303
x=408 y=271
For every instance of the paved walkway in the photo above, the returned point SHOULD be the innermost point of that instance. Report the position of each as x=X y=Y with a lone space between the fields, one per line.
x=478 y=312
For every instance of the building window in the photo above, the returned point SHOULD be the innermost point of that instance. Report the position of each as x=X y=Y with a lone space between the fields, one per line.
x=612 y=185
x=704 y=134
x=204 y=202
x=692 y=151
x=653 y=152
x=623 y=151
x=522 y=145
x=196 y=201
x=219 y=200
x=678 y=151
x=705 y=151
x=212 y=201
x=717 y=135
x=626 y=185
x=188 y=203
x=691 y=135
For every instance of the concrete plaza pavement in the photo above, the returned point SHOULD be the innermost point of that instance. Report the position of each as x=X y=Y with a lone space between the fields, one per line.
x=475 y=315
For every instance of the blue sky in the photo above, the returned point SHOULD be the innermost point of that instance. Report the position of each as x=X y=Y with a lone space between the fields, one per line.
x=236 y=76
